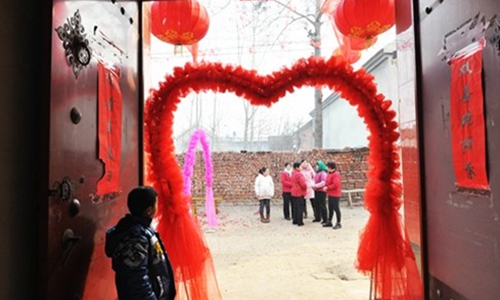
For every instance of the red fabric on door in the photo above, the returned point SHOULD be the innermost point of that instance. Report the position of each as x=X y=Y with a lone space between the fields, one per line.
x=109 y=128
x=467 y=119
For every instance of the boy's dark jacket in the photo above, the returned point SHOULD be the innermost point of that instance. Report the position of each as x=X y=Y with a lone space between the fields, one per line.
x=143 y=270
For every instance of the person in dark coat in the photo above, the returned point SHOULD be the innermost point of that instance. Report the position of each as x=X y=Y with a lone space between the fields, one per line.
x=142 y=268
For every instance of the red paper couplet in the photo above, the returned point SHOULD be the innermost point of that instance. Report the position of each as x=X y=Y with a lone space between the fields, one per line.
x=467 y=118
x=109 y=129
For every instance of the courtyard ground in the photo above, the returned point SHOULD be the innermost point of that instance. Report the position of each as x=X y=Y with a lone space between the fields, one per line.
x=280 y=261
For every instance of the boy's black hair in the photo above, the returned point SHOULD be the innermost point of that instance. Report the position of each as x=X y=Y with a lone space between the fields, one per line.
x=296 y=164
x=287 y=164
x=331 y=165
x=262 y=170
x=140 y=198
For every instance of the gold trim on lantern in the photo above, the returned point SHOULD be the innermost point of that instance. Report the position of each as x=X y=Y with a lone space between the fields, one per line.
x=188 y=38
x=170 y=36
x=369 y=31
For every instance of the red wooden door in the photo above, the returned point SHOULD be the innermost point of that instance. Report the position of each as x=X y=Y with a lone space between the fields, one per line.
x=75 y=266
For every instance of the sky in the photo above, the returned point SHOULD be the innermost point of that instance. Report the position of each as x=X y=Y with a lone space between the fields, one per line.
x=239 y=36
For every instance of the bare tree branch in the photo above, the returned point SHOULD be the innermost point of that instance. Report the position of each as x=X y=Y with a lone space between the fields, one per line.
x=222 y=8
x=295 y=12
x=276 y=39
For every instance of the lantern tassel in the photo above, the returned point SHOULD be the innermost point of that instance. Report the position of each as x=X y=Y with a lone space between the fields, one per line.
x=177 y=49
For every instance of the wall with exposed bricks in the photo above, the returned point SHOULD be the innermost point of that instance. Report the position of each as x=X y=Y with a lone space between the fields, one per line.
x=234 y=172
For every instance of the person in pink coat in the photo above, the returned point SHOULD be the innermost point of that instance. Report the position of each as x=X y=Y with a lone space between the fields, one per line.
x=309 y=174
x=320 y=213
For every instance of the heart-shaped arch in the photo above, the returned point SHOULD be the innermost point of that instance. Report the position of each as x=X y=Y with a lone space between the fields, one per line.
x=384 y=248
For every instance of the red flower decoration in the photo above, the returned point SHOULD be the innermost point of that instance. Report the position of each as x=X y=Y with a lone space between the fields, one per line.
x=383 y=247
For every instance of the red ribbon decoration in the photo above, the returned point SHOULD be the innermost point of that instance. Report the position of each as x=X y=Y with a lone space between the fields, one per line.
x=467 y=118
x=384 y=247
x=109 y=129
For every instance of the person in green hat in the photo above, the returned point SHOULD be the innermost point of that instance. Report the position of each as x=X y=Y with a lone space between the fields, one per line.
x=320 y=213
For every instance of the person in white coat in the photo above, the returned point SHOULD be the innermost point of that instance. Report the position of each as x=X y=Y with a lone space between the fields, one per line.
x=264 y=190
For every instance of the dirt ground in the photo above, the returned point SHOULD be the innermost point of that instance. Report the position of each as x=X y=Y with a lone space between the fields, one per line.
x=281 y=261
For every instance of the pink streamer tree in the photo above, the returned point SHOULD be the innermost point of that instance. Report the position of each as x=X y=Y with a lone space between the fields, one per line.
x=199 y=136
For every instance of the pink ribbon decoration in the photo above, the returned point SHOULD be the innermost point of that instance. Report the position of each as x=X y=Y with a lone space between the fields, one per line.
x=199 y=136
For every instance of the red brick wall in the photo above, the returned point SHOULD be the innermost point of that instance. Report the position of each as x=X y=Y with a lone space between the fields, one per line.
x=234 y=172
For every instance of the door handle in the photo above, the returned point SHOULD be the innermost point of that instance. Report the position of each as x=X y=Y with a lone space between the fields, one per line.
x=69 y=238
x=68 y=243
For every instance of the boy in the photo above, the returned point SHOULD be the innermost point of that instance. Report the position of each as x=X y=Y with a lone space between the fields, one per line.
x=142 y=267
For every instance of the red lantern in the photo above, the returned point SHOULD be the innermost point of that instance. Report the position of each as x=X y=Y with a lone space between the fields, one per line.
x=179 y=22
x=364 y=19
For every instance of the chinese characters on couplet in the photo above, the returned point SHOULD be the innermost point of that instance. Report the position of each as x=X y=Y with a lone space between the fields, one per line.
x=109 y=129
x=467 y=119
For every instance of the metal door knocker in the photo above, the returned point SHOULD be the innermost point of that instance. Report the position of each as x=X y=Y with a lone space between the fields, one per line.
x=62 y=190
x=75 y=44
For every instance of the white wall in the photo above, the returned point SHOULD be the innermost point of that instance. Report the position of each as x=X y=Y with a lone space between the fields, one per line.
x=342 y=127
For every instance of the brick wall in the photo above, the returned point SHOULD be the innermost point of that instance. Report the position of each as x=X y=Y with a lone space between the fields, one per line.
x=234 y=172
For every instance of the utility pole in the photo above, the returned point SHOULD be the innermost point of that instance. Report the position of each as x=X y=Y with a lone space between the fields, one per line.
x=318 y=93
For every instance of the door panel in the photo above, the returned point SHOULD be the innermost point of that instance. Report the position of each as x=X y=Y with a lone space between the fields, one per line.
x=463 y=228
x=76 y=265
x=410 y=147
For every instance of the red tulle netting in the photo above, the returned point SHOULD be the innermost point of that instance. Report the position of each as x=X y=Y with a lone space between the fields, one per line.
x=384 y=248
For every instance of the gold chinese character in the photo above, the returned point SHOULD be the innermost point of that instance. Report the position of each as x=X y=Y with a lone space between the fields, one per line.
x=465 y=69
x=466 y=144
x=110 y=103
x=469 y=168
x=466 y=94
x=110 y=127
x=466 y=119
x=110 y=153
